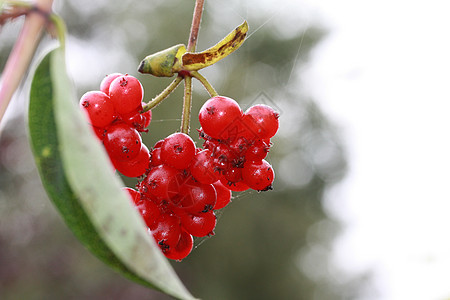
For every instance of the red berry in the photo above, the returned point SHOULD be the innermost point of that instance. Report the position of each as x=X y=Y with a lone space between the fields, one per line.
x=177 y=150
x=251 y=129
x=99 y=132
x=133 y=118
x=147 y=116
x=98 y=107
x=122 y=142
x=149 y=212
x=257 y=151
x=199 y=225
x=126 y=94
x=223 y=195
x=239 y=186
x=135 y=167
x=158 y=144
x=223 y=157
x=155 y=159
x=195 y=197
x=266 y=120
x=233 y=174
x=258 y=175
x=158 y=182
x=202 y=167
x=135 y=196
x=217 y=114
x=166 y=230
x=183 y=248
x=138 y=120
x=106 y=82
x=239 y=146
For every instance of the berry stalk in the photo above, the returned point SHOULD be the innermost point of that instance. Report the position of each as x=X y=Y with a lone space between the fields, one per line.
x=212 y=92
x=187 y=104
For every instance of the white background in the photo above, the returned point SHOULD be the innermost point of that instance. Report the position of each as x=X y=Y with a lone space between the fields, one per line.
x=383 y=75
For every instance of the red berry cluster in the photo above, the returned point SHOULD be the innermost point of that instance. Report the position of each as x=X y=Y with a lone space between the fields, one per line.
x=238 y=142
x=181 y=185
x=175 y=203
x=115 y=115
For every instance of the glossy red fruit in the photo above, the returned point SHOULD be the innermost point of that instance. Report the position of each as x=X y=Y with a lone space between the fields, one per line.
x=223 y=195
x=183 y=248
x=98 y=108
x=99 y=132
x=177 y=150
x=223 y=157
x=158 y=181
x=122 y=142
x=239 y=146
x=149 y=211
x=158 y=144
x=199 y=225
x=126 y=94
x=257 y=151
x=233 y=174
x=106 y=82
x=251 y=129
x=135 y=167
x=266 y=120
x=217 y=114
x=140 y=121
x=135 y=196
x=155 y=159
x=202 y=167
x=167 y=231
x=147 y=116
x=133 y=118
x=258 y=175
x=234 y=186
x=195 y=197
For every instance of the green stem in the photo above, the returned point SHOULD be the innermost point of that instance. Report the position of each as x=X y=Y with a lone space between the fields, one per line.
x=187 y=104
x=192 y=44
x=163 y=95
x=212 y=92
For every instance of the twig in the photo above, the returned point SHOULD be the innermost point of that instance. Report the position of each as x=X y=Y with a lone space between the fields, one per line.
x=192 y=43
x=195 y=27
x=22 y=53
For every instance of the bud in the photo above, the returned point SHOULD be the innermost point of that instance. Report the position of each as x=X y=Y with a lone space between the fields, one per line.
x=164 y=63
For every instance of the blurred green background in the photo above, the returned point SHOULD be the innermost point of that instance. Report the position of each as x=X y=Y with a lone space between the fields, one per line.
x=271 y=245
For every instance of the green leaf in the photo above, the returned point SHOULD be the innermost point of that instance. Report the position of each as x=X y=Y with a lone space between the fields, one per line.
x=80 y=181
